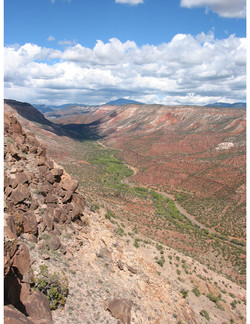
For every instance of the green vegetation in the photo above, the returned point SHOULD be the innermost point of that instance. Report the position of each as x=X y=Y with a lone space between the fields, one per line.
x=224 y=223
x=114 y=170
x=196 y=292
x=184 y=293
x=136 y=243
x=53 y=285
x=233 y=304
x=159 y=247
x=109 y=214
x=120 y=231
x=140 y=191
x=215 y=300
x=95 y=207
x=161 y=261
x=204 y=313
x=9 y=140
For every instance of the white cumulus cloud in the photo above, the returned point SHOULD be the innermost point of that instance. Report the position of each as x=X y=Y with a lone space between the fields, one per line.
x=188 y=69
x=224 y=8
x=66 y=42
x=51 y=38
x=53 y=1
x=131 y=2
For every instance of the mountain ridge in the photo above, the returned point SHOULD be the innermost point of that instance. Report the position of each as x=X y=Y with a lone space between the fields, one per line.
x=227 y=105
x=123 y=101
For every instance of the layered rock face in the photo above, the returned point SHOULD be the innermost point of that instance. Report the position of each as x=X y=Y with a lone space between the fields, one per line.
x=39 y=199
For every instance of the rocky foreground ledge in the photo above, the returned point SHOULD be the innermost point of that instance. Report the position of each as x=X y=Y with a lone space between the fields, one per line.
x=39 y=200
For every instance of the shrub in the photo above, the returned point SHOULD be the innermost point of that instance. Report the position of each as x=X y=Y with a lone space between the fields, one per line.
x=9 y=140
x=161 y=261
x=233 y=304
x=213 y=298
x=53 y=285
x=204 y=313
x=94 y=207
x=136 y=244
x=120 y=231
x=159 y=247
x=109 y=214
x=196 y=292
x=184 y=293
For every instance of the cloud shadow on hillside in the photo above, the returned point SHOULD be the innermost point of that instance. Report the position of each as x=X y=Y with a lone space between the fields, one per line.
x=75 y=131
x=83 y=131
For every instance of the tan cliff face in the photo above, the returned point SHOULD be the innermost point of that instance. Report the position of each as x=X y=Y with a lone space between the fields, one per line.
x=47 y=222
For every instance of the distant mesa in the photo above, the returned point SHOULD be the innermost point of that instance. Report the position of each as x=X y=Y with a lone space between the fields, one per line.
x=227 y=105
x=122 y=102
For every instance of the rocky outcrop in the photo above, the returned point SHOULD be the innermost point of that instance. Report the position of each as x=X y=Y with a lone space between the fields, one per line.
x=39 y=197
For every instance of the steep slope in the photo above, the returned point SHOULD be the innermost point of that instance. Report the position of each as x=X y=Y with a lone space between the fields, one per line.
x=106 y=278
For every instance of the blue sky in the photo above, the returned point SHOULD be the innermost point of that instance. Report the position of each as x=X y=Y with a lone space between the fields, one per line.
x=93 y=51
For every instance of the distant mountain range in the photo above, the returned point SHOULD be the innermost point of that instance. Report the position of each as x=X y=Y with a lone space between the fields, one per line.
x=227 y=105
x=122 y=101
x=48 y=108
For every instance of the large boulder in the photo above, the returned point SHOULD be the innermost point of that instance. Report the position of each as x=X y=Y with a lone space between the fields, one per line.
x=9 y=227
x=37 y=307
x=44 y=189
x=22 y=178
x=11 y=125
x=18 y=138
x=70 y=184
x=21 y=259
x=50 y=177
x=10 y=242
x=57 y=172
x=13 y=316
x=31 y=140
x=120 y=309
x=51 y=199
x=29 y=223
x=53 y=242
x=48 y=222
x=19 y=194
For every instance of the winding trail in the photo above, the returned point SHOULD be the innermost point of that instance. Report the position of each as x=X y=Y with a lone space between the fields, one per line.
x=181 y=209
x=164 y=194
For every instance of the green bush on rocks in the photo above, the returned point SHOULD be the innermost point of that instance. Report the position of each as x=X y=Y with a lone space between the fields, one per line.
x=53 y=285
